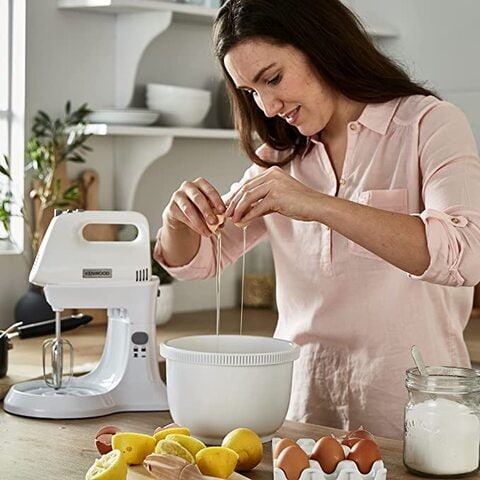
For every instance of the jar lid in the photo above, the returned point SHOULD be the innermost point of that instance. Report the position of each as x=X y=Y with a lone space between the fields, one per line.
x=443 y=379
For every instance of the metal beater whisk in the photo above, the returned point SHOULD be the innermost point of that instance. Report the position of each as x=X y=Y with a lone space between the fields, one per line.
x=56 y=347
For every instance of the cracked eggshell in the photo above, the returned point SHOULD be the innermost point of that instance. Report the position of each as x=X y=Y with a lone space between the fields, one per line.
x=103 y=438
x=352 y=437
x=218 y=225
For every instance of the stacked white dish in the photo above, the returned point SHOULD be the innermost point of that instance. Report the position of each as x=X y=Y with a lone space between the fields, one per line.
x=124 y=116
x=178 y=106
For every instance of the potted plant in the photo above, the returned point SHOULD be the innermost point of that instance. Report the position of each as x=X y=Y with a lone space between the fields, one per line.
x=53 y=143
x=165 y=299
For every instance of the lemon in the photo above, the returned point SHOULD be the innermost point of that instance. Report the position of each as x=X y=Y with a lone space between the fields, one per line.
x=192 y=444
x=162 y=434
x=217 y=461
x=134 y=446
x=248 y=446
x=111 y=466
x=174 y=448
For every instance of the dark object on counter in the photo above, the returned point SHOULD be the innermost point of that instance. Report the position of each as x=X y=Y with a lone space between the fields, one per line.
x=5 y=346
x=32 y=307
x=47 y=327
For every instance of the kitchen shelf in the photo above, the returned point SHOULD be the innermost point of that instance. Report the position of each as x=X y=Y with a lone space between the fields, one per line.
x=104 y=129
x=136 y=148
x=180 y=11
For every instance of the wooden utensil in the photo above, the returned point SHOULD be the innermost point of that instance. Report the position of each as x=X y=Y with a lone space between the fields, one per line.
x=170 y=467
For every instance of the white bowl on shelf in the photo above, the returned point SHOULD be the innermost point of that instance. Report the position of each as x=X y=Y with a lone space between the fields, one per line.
x=178 y=106
x=216 y=383
x=124 y=116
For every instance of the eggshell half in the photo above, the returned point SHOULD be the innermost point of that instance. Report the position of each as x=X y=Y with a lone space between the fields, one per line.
x=351 y=438
x=218 y=225
x=103 y=438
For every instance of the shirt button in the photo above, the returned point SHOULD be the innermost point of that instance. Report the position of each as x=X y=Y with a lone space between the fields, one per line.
x=353 y=126
x=342 y=181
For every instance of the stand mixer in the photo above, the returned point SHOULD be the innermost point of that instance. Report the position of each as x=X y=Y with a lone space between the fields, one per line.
x=77 y=273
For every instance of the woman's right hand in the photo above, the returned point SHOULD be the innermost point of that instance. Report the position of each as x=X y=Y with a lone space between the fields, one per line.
x=195 y=205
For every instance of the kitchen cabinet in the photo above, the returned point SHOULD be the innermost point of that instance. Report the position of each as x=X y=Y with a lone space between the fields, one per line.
x=138 y=23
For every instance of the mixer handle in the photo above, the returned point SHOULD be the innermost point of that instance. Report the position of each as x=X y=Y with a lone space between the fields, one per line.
x=105 y=217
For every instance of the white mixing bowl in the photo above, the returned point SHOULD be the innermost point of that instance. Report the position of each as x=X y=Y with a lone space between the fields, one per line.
x=178 y=106
x=218 y=383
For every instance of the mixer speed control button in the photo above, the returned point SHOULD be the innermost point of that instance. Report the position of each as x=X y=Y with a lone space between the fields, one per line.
x=140 y=338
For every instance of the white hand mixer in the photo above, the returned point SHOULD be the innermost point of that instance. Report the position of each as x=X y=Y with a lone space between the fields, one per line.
x=77 y=273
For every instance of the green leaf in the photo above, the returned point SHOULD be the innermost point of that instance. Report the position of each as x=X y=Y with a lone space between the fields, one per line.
x=5 y=172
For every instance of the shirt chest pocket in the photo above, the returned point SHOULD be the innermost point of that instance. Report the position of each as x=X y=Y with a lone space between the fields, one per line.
x=395 y=200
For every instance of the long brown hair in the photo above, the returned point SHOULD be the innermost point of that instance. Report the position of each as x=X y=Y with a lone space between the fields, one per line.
x=334 y=41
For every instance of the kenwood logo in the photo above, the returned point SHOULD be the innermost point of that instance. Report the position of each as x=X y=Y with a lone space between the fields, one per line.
x=97 y=273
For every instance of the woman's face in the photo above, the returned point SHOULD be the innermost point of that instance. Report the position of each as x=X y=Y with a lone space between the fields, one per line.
x=282 y=82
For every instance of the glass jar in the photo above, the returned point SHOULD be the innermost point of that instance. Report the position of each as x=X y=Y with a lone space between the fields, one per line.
x=442 y=421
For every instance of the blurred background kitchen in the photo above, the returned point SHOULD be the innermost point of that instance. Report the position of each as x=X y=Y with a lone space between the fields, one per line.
x=96 y=52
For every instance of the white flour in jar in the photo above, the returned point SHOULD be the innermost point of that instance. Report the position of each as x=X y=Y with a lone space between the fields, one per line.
x=442 y=437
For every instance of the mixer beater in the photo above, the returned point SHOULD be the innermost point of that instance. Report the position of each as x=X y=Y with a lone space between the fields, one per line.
x=56 y=348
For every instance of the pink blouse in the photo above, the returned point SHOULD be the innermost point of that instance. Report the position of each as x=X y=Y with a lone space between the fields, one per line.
x=354 y=315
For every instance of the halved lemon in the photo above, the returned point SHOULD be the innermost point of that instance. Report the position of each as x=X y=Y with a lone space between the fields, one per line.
x=162 y=434
x=134 y=446
x=170 y=447
x=217 y=461
x=111 y=466
x=192 y=444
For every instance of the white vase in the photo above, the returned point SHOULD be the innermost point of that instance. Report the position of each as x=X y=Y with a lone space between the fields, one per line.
x=164 y=304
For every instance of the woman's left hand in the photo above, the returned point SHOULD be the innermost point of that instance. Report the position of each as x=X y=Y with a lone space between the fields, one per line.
x=273 y=191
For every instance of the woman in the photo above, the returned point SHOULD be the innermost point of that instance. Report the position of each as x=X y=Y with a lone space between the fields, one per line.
x=367 y=187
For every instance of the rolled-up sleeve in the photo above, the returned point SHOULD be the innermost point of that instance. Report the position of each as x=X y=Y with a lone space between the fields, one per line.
x=451 y=195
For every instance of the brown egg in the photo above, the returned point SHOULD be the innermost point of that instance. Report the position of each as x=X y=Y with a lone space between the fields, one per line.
x=364 y=453
x=351 y=438
x=293 y=460
x=281 y=445
x=103 y=438
x=328 y=452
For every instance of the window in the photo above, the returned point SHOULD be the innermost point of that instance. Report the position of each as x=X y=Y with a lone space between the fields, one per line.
x=12 y=102
x=5 y=77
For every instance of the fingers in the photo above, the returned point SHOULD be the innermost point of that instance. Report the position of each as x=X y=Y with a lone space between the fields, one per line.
x=212 y=194
x=195 y=204
x=247 y=186
x=246 y=200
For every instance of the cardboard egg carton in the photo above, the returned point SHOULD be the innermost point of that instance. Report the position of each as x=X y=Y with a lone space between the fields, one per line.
x=345 y=470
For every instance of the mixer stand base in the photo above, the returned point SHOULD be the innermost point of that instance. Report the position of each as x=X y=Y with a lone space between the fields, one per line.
x=81 y=399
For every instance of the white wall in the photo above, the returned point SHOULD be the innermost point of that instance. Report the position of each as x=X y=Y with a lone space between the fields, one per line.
x=70 y=56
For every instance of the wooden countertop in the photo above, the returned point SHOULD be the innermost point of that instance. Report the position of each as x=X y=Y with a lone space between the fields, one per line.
x=47 y=449
x=63 y=449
